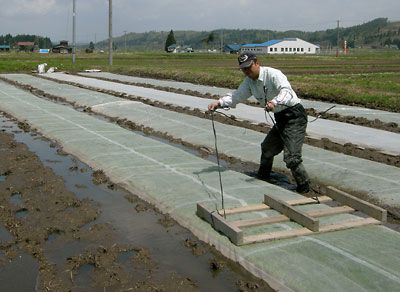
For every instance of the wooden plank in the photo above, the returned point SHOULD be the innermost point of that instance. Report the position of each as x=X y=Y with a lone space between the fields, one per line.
x=283 y=218
x=232 y=232
x=260 y=221
x=204 y=213
x=261 y=207
x=330 y=211
x=305 y=201
x=349 y=224
x=276 y=235
x=220 y=224
x=305 y=231
x=244 y=209
x=356 y=203
x=293 y=214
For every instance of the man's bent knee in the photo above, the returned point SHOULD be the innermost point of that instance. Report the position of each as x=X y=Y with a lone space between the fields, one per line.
x=293 y=162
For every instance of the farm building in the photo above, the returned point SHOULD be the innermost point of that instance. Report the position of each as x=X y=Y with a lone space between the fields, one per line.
x=231 y=48
x=4 y=48
x=283 y=46
x=26 y=46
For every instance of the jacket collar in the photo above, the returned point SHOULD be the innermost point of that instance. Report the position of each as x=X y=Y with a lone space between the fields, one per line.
x=261 y=76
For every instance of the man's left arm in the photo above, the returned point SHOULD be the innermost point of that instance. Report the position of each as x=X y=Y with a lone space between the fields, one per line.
x=285 y=95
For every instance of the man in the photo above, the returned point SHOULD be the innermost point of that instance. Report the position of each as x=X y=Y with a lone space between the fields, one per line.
x=274 y=92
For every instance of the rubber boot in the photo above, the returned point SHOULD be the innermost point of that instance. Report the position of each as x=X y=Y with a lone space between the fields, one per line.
x=301 y=177
x=265 y=169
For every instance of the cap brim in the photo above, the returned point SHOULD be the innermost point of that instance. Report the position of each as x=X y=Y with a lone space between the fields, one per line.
x=246 y=64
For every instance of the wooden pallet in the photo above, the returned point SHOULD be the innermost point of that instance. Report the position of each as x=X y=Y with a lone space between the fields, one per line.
x=309 y=221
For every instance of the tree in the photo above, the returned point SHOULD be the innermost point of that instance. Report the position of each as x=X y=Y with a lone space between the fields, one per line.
x=209 y=39
x=90 y=49
x=170 y=40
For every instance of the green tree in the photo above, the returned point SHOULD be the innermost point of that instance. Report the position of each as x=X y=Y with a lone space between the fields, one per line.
x=209 y=39
x=170 y=40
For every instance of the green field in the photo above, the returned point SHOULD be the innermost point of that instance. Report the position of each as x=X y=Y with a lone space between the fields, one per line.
x=364 y=78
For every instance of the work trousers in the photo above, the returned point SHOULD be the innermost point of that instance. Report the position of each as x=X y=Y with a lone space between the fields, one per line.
x=288 y=135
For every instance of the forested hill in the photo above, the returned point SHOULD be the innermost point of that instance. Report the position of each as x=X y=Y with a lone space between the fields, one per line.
x=376 y=33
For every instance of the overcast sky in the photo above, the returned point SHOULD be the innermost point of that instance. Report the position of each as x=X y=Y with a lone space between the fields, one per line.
x=53 y=18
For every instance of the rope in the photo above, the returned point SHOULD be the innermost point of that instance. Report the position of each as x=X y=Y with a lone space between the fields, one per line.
x=320 y=114
x=219 y=167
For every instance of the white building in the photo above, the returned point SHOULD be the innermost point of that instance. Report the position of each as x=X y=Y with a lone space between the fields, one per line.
x=283 y=46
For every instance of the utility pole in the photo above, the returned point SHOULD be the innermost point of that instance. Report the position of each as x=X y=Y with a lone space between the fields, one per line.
x=222 y=40
x=73 y=31
x=110 y=42
x=125 y=39
x=337 y=50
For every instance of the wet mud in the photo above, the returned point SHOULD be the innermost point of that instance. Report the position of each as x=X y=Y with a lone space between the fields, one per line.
x=62 y=240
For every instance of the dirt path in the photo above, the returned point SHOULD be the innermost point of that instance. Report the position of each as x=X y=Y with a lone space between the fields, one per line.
x=66 y=241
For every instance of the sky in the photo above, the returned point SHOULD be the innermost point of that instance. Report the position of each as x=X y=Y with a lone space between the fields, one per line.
x=53 y=18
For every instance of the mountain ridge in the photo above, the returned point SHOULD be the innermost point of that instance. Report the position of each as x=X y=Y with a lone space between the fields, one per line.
x=377 y=33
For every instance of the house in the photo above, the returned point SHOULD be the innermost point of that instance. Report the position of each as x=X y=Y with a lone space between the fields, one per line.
x=62 y=48
x=4 y=48
x=283 y=46
x=179 y=49
x=172 y=48
x=25 y=46
x=232 y=48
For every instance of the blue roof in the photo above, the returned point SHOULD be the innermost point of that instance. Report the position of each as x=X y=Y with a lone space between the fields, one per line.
x=235 y=47
x=4 y=46
x=266 y=44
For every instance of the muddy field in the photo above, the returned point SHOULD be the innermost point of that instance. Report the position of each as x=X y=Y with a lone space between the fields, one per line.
x=66 y=228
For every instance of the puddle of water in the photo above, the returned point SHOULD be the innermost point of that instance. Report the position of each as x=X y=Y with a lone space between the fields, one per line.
x=80 y=279
x=16 y=199
x=2 y=178
x=142 y=229
x=54 y=236
x=20 y=274
x=21 y=213
x=5 y=236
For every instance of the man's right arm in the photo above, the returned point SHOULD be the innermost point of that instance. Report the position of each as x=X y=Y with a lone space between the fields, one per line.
x=214 y=105
x=241 y=94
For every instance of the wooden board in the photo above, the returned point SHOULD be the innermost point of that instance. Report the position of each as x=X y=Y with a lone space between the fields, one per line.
x=276 y=235
x=283 y=218
x=305 y=231
x=223 y=226
x=261 y=207
x=295 y=215
x=311 y=225
x=358 y=204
